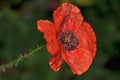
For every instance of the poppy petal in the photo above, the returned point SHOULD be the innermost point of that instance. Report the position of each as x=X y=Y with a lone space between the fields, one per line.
x=87 y=38
x=49 y=31
x=67 y=16
x=79 y=60
x=56 y=62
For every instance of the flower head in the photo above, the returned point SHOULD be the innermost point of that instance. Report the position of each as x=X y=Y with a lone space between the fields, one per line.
x=69 y=39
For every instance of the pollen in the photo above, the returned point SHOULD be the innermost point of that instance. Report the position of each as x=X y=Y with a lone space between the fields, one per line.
x=68 y=40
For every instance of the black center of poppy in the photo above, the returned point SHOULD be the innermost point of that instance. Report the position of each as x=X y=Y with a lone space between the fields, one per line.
x=68 y=40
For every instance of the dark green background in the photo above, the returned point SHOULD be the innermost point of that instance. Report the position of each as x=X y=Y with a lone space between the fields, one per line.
x=18 y=32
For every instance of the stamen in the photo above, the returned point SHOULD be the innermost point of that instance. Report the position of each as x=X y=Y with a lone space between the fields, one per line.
x=68 y=40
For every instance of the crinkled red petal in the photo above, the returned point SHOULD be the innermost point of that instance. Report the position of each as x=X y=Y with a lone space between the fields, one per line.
x=56 y=62
x=67 y=17
x=79 y=60
x=87 y=38
x=49 y=31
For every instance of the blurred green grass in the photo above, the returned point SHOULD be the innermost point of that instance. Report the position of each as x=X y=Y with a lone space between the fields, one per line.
x=18 y=32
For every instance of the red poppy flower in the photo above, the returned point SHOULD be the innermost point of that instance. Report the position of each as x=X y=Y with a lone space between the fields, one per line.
x=69 y=39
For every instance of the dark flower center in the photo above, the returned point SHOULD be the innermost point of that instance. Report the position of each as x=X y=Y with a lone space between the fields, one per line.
x=68 y=40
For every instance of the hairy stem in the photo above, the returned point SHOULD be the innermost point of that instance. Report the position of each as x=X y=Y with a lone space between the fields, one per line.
x=19 y=59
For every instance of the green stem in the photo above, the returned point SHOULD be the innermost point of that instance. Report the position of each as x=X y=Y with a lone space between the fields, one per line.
x=19 y=59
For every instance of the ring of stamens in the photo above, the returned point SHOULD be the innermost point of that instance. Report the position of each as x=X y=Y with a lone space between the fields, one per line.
x=68 y=40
